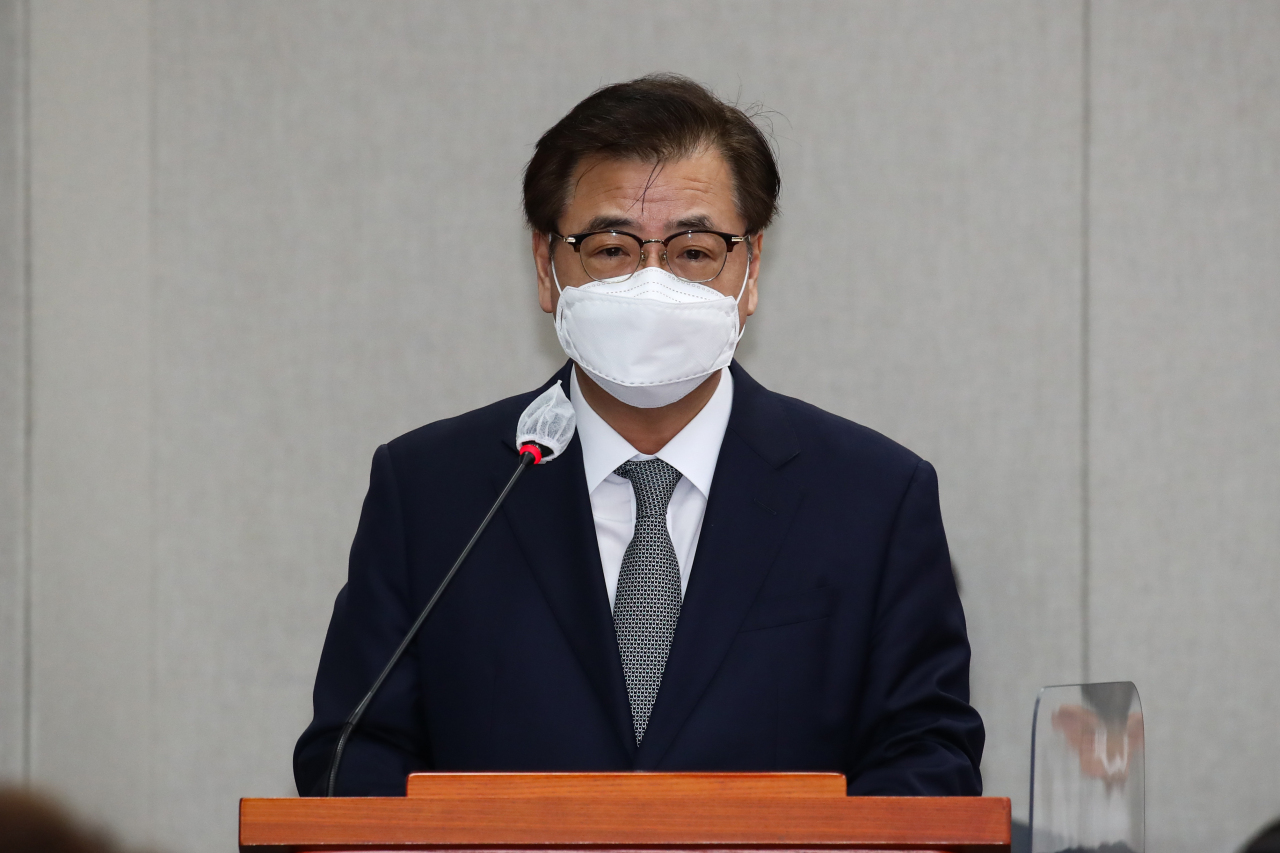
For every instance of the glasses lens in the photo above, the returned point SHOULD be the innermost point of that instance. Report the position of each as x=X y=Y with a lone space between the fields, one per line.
x=697 y=256
x=610 y=255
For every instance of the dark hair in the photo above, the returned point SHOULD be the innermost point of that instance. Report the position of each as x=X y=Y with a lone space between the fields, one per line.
x=657 y=118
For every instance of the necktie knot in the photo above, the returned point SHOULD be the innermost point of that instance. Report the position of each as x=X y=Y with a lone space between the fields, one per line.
x=653 y=482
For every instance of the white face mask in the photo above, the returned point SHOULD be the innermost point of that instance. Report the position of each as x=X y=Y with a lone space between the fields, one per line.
x=650 y=339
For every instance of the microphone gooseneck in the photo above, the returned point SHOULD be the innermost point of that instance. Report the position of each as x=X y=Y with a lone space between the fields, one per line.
x=531 y=453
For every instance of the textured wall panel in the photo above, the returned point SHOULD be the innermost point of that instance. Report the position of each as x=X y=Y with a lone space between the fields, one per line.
x=91 y=557
x=339 y=257
x=1186 y=403
x=13 y=387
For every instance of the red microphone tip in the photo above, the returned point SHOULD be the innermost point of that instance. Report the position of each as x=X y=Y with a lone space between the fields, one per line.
x=533 y=449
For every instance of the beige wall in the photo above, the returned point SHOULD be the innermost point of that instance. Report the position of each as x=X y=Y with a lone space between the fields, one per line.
x=93 y=600
x=1033 y=242
x=13 y=392
x=1185 y=401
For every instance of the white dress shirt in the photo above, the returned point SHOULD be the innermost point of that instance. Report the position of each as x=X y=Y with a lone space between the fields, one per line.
x=693 y=452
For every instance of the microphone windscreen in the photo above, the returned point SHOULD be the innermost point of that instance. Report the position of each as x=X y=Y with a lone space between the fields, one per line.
x=549 y=421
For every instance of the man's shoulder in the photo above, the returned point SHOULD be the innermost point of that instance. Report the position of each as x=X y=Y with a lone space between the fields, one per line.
x=839 y=445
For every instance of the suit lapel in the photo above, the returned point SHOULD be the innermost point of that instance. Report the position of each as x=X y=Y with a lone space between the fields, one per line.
x=550 y=514
x=747 y=516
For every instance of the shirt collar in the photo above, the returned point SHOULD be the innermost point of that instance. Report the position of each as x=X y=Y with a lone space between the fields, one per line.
x=693 y=451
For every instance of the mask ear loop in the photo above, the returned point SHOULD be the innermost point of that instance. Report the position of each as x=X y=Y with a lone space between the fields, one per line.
x=742 y=327
x=551 y=259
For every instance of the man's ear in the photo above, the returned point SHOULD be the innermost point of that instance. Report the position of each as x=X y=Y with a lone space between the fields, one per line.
x=547 y=295
x=751 y=297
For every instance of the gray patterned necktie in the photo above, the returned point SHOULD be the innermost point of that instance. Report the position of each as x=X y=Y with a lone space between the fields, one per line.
x=647 y=603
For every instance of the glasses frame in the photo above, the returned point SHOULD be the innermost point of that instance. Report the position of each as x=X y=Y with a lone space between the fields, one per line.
x=730 y=241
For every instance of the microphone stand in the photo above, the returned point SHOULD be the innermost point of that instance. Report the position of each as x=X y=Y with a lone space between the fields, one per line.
x=530 y=454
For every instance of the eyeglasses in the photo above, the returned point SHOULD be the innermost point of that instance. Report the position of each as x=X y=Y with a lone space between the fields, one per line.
x=695 y=256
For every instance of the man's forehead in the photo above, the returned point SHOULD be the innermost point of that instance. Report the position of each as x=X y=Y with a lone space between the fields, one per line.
x=692 y=192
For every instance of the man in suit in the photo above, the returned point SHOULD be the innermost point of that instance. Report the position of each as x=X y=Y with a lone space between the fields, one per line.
x=711 y=576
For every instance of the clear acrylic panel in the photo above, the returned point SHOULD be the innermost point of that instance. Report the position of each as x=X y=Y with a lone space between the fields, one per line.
x=1088 y=785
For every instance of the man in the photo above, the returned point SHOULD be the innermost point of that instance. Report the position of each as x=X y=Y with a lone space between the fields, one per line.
x=711 y=577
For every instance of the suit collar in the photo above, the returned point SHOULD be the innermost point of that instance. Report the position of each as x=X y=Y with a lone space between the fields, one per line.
x=759 y=420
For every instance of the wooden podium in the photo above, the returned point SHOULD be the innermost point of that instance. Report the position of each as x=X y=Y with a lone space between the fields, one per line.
x=626 y=812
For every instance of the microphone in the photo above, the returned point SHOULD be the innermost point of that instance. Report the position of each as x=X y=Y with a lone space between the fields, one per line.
x=543 y=432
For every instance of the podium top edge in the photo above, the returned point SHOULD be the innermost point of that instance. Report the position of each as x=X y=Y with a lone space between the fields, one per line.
x=534 y=785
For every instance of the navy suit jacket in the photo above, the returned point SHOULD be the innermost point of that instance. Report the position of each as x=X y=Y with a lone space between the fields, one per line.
x=821 y=628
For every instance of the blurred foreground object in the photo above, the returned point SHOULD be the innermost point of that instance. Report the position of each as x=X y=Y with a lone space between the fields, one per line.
x=1088 y=787
x=35 y=823
x=1266 y=841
